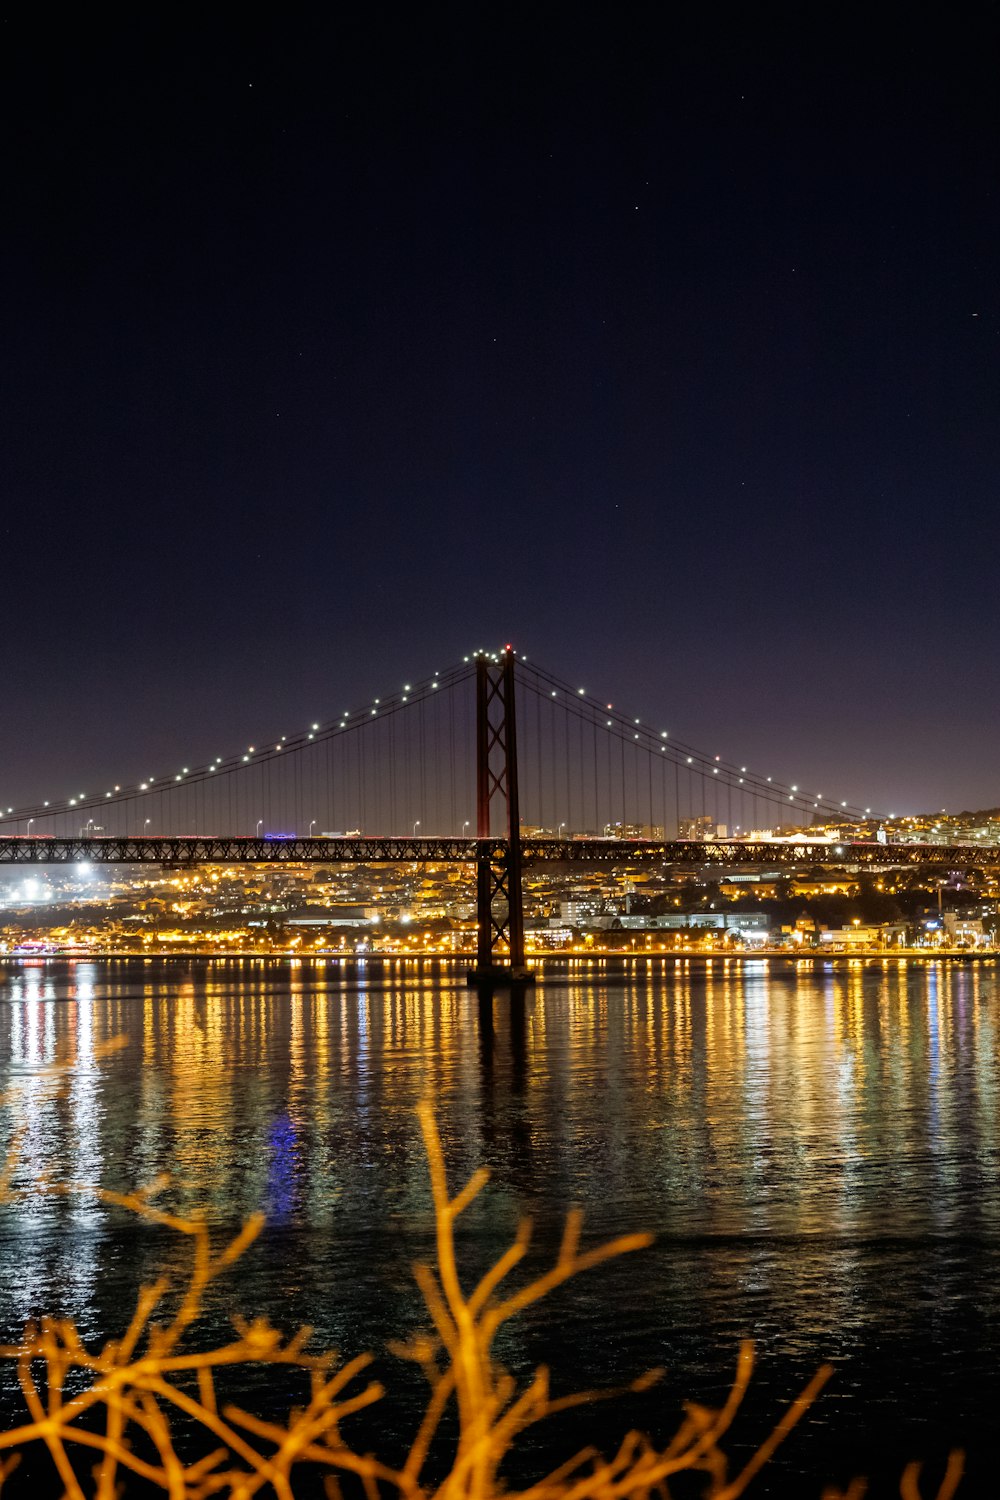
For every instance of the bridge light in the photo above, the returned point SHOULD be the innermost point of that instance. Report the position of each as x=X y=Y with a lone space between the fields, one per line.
x=580 y=691
x=715 y=770
x=690 y=760
x=72 y=803
x=794 y=788
x=117 y=789
x=246 y=757
x=663 y=734
x=553 y=693
x=406 y=689
x=843 y=804
x=609 y=723
x=45 y=804
x=434 y=684
x=177 y=778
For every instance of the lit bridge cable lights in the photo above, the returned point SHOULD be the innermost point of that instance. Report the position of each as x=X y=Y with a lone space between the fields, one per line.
x=573 y=780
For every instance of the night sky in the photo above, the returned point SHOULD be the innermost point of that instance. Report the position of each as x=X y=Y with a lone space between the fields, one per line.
x=334 y=348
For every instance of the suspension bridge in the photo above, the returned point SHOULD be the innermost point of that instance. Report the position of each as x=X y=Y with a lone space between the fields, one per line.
x=495 y=764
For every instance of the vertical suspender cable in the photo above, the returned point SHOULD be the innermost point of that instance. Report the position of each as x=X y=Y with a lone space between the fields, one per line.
x=624 y=798
x=423 y=770
x=597 y=826
x=539 y=764
x=452 y=766
x=568 y=773
x=438 y=821
x=393 y=824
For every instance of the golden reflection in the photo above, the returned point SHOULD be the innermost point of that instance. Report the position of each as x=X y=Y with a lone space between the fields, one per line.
x=800 y=1098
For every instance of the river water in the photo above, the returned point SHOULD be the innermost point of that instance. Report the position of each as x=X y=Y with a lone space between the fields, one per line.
x=816 y=1149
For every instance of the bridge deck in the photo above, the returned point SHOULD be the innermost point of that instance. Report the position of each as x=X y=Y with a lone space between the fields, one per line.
x=192 y=850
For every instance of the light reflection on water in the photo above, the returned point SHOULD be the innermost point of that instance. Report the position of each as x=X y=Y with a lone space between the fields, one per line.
x=816 y=1150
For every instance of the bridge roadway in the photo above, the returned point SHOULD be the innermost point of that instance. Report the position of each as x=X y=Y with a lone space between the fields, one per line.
x=196 y=850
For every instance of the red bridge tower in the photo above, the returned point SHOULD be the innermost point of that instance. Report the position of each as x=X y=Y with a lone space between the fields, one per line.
x=499 y=909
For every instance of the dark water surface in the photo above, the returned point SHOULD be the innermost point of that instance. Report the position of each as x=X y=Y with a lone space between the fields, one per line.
x=817 y=1152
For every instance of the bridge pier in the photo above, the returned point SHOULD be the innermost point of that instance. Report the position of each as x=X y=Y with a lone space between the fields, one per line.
x=499 y=907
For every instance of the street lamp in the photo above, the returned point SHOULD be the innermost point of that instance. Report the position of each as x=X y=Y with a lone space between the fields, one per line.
x=415 y=827
x=30 y=821
x=464 y=827
x=312 y=825
x=561 y=827
x=146 y=825
x=260 y=824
